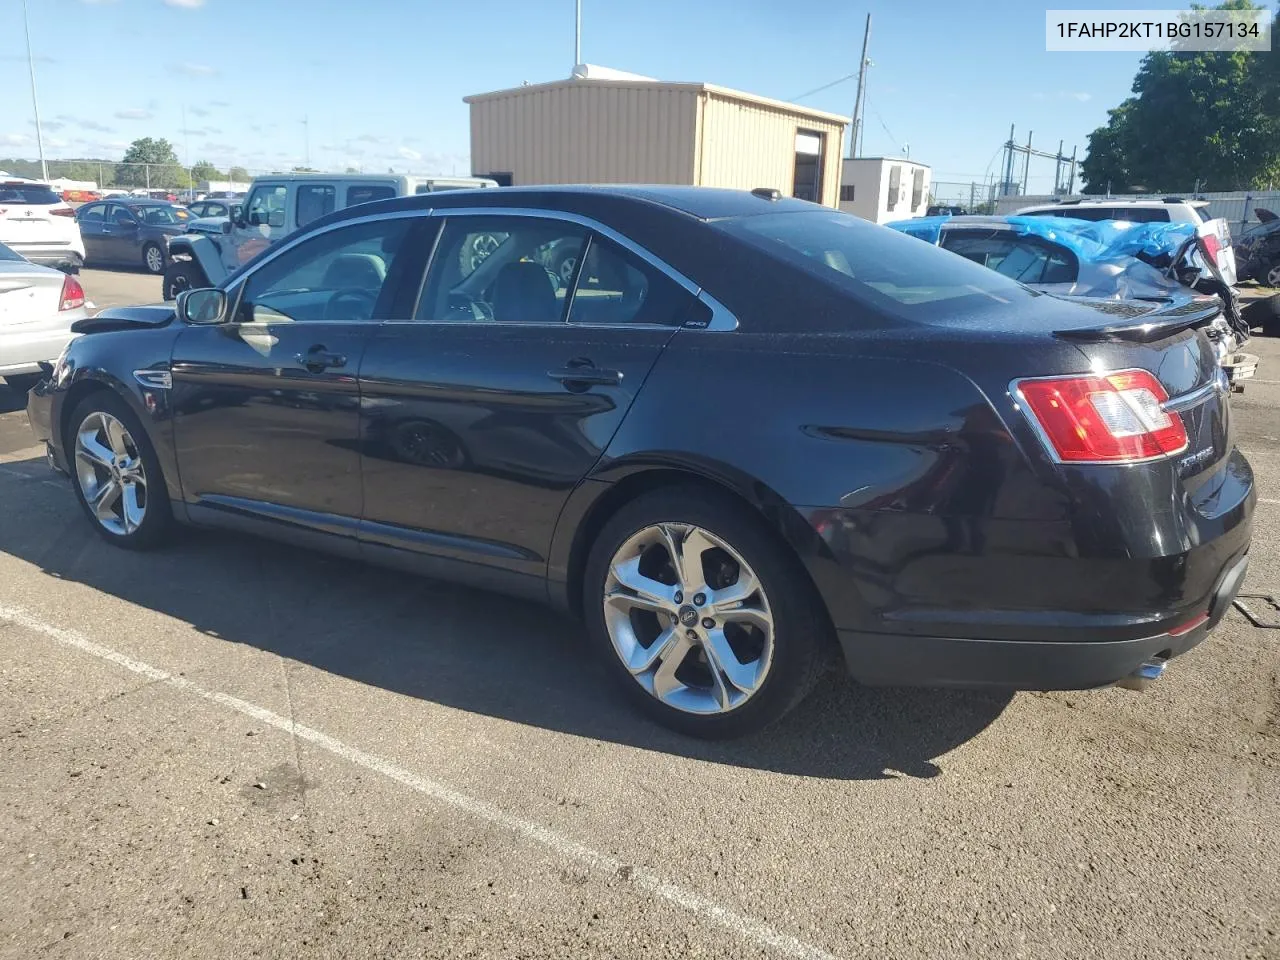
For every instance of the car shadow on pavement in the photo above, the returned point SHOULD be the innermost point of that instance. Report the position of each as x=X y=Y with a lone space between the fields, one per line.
x=463 y=648
x=11 y=400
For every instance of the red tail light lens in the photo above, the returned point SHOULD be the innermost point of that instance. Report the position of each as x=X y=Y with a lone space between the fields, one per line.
x=63 y=212
x=72 y=293
x=1113 y=418
x=1212 y=247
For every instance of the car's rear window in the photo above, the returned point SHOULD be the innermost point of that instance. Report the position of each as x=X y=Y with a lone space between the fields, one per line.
x=7 y=254
x=32 y=193
x=1202 y=213
x=882 y=266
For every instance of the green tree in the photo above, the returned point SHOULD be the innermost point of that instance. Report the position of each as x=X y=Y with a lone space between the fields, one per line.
x=204 y=170
x=238 y=175
x=1196 y=116
x=163 y=168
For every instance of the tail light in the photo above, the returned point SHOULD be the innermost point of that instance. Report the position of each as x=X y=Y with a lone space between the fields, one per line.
x=1112 y=418
x=72 y=293
x=1212 y=247
x=63 y=212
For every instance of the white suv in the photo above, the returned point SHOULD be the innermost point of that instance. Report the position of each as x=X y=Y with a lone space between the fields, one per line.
x=1214 y=231
x=276 y=206
x=38 y=224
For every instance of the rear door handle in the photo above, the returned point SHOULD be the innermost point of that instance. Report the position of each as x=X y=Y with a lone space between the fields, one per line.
x=591 y=376
x=317 y=359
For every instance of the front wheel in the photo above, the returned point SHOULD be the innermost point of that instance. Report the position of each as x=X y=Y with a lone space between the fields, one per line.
x=117 y=474
x=153 y=259
x=183 y=275
x=702 y=615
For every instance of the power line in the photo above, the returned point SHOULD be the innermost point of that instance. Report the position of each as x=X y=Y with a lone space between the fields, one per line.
x=825 y=86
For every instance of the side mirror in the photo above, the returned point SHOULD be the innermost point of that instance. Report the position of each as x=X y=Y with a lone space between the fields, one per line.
x=255 y=219
x=227 y=225
x=123 y=220
x=205 y=306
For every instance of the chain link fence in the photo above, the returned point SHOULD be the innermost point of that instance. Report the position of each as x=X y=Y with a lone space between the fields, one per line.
x=971 y=196
x=95 y=176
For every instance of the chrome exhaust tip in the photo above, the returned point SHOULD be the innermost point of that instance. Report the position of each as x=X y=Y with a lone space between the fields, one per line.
x=1144 y=676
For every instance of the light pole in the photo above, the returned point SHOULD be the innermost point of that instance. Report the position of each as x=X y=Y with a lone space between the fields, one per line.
x=577 y=34
x=35 y=103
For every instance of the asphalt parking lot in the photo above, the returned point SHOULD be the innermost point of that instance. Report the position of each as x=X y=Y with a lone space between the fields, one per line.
x=231 y=748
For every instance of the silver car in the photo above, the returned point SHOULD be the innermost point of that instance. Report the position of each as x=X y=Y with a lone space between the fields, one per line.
x=38 y=305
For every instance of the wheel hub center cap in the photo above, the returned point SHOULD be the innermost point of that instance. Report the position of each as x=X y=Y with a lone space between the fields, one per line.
x=688 y=615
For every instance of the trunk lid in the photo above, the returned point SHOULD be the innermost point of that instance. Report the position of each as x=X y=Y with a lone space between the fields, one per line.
x=28 y=293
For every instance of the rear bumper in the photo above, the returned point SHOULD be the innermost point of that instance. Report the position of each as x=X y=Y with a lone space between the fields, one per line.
x=1063 y=664
x=21 y=352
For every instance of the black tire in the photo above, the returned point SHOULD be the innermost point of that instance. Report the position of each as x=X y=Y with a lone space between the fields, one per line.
x=154 y=264
x=22 y=383
x=803 y=640
x=183 y=275
x=157 y=522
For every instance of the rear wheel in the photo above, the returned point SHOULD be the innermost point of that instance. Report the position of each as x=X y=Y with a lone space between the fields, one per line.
x=1273 y=275
x=117 y=475
x=711 y=627
x=183 y=275
x=153 y=258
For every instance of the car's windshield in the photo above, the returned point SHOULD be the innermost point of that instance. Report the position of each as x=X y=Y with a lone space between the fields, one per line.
x=883 y=267
x=161 y=215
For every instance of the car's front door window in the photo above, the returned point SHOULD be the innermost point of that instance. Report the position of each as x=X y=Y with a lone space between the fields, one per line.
x=337 y=277
x=502 y=269
x=266 y=206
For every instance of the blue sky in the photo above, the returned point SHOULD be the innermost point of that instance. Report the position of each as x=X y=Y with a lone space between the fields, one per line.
x=381 y=81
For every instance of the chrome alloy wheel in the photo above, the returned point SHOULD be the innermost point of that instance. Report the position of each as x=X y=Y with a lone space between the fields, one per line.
x=154 y=259
x=688 y=618
x=110 y=473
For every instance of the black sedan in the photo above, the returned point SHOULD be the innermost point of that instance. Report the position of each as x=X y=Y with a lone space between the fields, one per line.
x=744 y=437
x=130 y=231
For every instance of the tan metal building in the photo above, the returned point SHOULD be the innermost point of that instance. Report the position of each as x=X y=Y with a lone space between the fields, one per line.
x=585 y=130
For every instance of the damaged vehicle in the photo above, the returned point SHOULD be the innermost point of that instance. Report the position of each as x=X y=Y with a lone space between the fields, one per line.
x=1258 y=250
x=1164 y=268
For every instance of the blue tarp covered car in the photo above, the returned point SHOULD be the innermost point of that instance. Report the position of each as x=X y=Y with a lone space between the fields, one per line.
x=1107 y=259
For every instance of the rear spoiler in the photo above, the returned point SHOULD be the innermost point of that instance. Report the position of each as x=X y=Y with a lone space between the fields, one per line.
x=1147 y=327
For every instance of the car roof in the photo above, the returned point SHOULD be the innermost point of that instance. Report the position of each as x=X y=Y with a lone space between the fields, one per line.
x=702 y=203
x=1117 y=201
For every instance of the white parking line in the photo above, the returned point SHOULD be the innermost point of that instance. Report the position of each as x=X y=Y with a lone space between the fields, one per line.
x=26 y=476
x=744 y=926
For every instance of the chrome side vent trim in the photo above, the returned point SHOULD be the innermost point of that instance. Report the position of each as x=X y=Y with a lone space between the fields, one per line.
x=155 y=379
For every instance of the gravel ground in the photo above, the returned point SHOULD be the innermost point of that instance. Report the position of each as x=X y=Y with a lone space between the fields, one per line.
x=233 y=748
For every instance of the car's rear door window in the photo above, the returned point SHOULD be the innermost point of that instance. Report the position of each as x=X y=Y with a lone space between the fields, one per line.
x=366 y=193
x=1021 y=258
x=614 y=286
x=315 y=200
x=503 y=269
x=93 y=213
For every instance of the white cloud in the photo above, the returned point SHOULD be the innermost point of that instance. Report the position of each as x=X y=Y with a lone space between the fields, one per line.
x=370 y=138
x=193 y=69
x=1082 y=97
x=198 y=111
x=94 y=2
x=219 y=103
x=409 y=154
x=56 y=142
x=185 y=4
x=14 y=139
x=133 y=115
